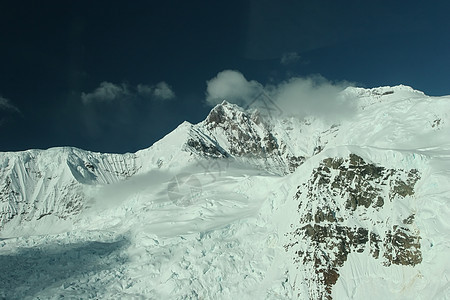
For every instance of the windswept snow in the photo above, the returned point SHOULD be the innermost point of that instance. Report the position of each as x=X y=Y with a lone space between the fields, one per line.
x=150 y=247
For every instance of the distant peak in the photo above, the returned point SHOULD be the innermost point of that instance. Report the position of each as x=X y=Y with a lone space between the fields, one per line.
x=382 y=90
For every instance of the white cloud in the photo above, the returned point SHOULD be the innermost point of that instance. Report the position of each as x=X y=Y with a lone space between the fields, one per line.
x=312 y=95
x=121 y=107
x=106 y=92
x=7 y=110
x=109 y=92
x=232 y=86
x=161 y=91
x=298 y=96
x=144 y=89
x=290 y=58
x=6 y=104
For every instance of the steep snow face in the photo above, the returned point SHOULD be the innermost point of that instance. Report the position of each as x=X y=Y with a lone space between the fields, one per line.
x=36 y=183
x=241 y=206
x=52 y=183
x=397 y=118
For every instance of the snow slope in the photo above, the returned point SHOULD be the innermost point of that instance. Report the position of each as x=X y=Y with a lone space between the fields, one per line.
x=240 y=206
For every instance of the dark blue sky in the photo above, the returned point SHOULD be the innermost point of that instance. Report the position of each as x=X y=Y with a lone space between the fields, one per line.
x=54 y=52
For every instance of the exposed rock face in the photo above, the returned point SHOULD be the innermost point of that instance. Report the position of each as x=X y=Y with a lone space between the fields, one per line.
x=247 y=135
x=347 y=191
x=230 y=131
x=211 y=150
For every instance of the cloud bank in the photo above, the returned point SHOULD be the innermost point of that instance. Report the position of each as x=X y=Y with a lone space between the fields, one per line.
x=109 y=92
x=106 y=92
x=123 y=109
x=300 y=96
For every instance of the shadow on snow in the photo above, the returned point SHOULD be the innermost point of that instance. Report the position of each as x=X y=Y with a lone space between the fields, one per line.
x=75 y=268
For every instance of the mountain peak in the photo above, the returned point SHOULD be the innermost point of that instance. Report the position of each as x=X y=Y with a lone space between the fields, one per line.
x=225 y=102
x=222 y=112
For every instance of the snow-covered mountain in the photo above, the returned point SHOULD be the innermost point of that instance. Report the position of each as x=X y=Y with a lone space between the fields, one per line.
x=241 y=204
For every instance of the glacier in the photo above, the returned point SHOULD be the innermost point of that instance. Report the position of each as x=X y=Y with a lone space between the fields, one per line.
x=241 y=205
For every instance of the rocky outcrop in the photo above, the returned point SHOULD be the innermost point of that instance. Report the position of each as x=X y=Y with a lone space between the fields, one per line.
x=232 y=132
x=343 y=191
x=246 y=134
